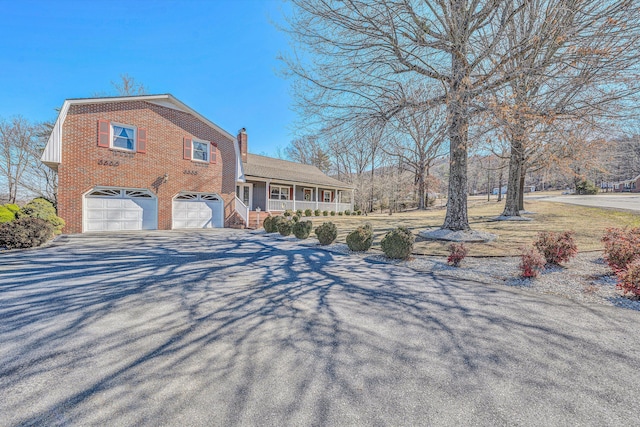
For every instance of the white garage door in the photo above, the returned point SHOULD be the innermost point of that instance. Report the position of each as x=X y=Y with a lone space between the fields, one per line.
x=191 y=210
x=120 y=209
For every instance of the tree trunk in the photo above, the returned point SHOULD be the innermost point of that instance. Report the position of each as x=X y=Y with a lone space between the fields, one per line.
x=500 y=185
x=421 y=205
x=523 y=172
x=512 y=203
x=457 y=217
x=426 y=189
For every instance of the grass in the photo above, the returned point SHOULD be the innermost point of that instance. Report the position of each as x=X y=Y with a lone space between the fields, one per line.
x=588 y=223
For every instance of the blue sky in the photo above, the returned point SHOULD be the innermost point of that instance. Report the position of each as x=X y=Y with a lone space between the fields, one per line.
x=218 y=57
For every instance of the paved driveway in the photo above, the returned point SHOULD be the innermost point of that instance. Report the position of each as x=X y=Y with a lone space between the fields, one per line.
x=630 y=202
x=226 y=328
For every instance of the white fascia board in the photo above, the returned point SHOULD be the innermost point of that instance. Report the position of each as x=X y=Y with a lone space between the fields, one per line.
x=52 y=153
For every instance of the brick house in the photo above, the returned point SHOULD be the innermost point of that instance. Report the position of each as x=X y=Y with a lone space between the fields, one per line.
x=628 y=186
x=145 y=162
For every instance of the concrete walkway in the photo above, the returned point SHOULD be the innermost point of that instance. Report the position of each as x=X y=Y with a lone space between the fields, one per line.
x=233 y=329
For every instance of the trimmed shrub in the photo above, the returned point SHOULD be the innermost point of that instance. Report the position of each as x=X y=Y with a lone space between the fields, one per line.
x=359 y=212
x=360 y=239
x=316 y=212
x=629 y=278
x=327 y=233
x=295 y=218
x=457 y=252
x=299 y=212
x=42 y=209
x=302 y=229
x=266 y=224
x=13 y=208
x=285 y=227
x=333 y=213
x=271 y=223
x=532 y=262
x=621 y=246
x=556 y=247
x=586 y=187
x=25 y=232
x=288 y=213
x=340 y=213
x=6 y=215
x=398 y=243
x=307 y=212
x=347 y=212
x=325 y=213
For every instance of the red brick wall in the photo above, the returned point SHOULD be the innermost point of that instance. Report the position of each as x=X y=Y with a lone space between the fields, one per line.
x=80 y=170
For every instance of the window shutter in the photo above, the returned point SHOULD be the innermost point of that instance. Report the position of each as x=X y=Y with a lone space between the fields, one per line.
x=104 y=128
x=332 y=196
x=142 y=141
x=186 y=152
x=291 y=193
x=212 y=157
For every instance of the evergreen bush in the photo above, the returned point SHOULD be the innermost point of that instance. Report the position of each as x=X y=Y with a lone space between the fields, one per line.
x=398 y=243
x=360 y=239
x=307 y=212
x=42 y=209
x=327 y=233
x=316 y=212
x=6 y=215
x=333 y=213
x=325 y=213
x=25 y=232
x=285 y=227
x=302 y=229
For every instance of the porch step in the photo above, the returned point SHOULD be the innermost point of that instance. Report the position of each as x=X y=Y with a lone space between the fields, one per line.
x=256 y=219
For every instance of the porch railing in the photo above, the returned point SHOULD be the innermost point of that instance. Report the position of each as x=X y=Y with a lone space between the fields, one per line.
x=283 y=205
x=243 y=211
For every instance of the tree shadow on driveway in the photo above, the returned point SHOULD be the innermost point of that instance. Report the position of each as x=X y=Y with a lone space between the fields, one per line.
x=229 y=328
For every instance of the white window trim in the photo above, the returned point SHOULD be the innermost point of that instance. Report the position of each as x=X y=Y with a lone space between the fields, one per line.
x=280 y=187
x=207 y=143
x=324 y=196
x=135 y=137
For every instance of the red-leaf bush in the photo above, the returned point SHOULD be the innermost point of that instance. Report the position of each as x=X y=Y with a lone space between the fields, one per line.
x=629 y=278
x=457 y=252
x=556 y=247
x=532 y=262
x=621 y=247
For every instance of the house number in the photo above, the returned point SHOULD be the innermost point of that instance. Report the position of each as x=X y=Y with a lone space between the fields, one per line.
x=190 y=172
x=108 y=163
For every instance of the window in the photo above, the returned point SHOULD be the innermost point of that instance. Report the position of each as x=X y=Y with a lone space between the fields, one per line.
x=279 y=193
x=200 y=151
x=123 y=137
x=326 y=196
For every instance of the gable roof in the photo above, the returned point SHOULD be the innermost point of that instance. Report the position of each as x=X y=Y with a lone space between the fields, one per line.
x=52 y=155
x=283 y=170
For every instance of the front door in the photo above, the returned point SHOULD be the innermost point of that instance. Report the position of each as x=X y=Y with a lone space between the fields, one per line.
x=245 y=193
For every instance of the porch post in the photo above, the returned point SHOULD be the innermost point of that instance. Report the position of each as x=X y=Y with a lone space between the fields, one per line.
x=294 y=197
x=335 y=199
x=353 y=191
x=317 y=197
x=268 y=190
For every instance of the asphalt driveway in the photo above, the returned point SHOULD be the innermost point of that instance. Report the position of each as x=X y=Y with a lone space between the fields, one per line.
x=229 y=328
x=625 y=201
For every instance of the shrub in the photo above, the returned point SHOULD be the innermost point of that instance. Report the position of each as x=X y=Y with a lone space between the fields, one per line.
x=325 y=213
x=360 y=239
x=457 y=252
x=327 y=233
x=347 y=212
x=532 y=262
x=271 y=223
x=307 y=212
x=586 y=187
x=299 y=212
x=621 y=247
x=398 y=243
x=316 y=212
x=285 y=227
x=6 y=215
x=556 y=247
x=13 y=208
x=340 y=213
x=295 y=218
x=42 y=209
x=333 y=213
x=359 y=212
x=302 y=229
x=25 y=232
x=629 y=278
x=288 y=213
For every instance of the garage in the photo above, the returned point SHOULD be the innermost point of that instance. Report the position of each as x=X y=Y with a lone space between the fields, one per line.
x=119 y=209
x=197 y=210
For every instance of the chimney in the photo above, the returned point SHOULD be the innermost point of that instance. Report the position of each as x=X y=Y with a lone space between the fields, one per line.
x=242 y=144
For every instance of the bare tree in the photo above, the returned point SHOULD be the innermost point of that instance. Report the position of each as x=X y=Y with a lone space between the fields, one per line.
x=128 y=86
x=18 y=143
x=309 y=151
